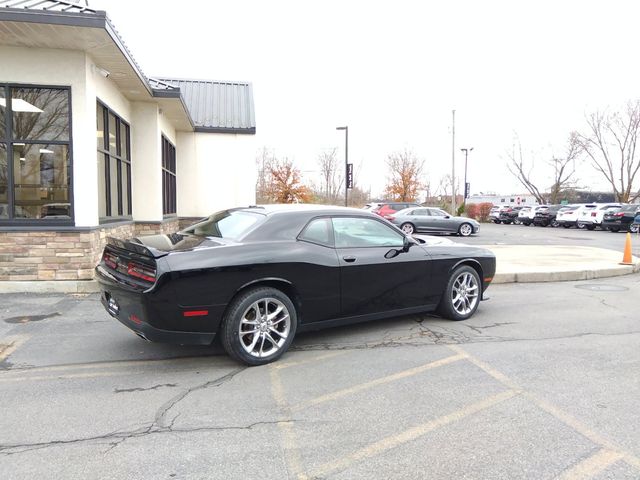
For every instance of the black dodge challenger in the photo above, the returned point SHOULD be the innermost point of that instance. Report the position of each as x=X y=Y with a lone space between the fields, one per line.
x=257 y=275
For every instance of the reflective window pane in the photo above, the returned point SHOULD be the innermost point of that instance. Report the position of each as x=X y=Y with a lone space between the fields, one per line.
x=125 y=190
x=3 y=106
x=113 y=128
x=123 y=140
x=100 y=127
x=113 y=175
x=102 y=186
x=41 y=179
x=40 y=114
x=4 y=182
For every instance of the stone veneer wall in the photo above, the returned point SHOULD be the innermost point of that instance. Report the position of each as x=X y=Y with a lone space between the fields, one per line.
x=66 y=255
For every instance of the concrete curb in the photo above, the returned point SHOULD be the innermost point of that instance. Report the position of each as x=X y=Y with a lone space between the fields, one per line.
x=564 y=275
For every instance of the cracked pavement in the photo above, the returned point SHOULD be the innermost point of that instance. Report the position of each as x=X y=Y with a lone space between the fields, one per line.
x=546 y=381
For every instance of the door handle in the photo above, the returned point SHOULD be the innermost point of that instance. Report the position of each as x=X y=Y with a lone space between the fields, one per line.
x=349 y=258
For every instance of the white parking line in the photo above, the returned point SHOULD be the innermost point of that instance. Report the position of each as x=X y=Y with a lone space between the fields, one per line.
x=379 y=381
x=591 y=466
x=554 y=411
x=9 y=345
x=408 y=435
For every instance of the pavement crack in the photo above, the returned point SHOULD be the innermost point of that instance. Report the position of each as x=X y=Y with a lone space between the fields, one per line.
x=480 y=328
x=161 y=413
x=142 y=389
x=117 y=438
x=159 y=424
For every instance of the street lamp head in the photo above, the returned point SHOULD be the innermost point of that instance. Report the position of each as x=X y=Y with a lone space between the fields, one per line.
x=341 y=128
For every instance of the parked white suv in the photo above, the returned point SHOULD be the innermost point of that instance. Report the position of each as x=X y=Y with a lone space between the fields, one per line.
x=526 y=214
x=568 y=215
x=591 y=216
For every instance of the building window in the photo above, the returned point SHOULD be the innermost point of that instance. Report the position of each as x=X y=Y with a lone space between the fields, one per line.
x=114 y=165
x=35 y=154
x=168 y=177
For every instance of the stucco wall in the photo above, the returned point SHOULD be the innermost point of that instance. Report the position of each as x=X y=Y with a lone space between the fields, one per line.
x=214 y=171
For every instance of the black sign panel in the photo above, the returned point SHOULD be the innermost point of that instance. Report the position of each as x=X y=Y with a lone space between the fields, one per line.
x=349 y=175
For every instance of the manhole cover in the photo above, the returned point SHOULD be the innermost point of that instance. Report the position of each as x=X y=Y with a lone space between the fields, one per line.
x=603 y=288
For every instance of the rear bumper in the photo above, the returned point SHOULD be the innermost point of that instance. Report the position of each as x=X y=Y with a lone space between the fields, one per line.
x=128 y=306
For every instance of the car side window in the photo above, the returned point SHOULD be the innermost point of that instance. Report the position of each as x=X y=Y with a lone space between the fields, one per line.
x=318 y=231
x=420 y=212
x=436 y=213
x=364 y=232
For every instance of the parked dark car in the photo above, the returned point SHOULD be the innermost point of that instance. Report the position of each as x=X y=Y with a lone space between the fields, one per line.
x=433 y=220
x=255 y=276
x=546 y=215
x=387 y=209
x=509 y=215
x=619 y=220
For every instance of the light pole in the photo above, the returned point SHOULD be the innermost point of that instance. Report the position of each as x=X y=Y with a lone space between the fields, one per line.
x=346 y=161
x=453 y=162
x=466 y=154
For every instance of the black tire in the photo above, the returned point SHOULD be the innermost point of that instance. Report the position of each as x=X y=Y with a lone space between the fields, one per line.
x=633 y=228
x=408 y=228
x=465 y=229
x=554 y=223
x=614 y=229
x=590 y=227
x=449 y=307
x=566 y=225
x=238 y=316
x=581 y=226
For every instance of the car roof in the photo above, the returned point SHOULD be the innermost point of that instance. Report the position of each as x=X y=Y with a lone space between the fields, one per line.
x=270 y=209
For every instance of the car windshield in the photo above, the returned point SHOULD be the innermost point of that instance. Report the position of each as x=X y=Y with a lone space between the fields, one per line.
x=226 y=224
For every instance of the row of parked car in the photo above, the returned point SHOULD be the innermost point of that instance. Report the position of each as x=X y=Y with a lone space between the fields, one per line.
x=413 y=218
x=615 y=217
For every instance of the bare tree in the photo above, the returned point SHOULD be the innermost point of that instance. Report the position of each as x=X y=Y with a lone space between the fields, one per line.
x=564 y=169
x=520 y=169
x=610 y=143
x=404 y=176
x=332 y=178
x=264 y=162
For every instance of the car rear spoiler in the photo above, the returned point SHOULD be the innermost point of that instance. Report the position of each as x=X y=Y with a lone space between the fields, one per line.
x=135 y=245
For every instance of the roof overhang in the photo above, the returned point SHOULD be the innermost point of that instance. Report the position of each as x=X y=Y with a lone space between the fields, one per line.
x=93 y=33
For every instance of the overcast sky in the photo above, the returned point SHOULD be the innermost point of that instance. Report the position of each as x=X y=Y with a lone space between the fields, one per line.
x=394 y=70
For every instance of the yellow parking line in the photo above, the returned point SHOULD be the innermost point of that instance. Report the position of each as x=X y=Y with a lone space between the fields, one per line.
x=11 y=344
x=291 y=451
x=591 y=466
x=552 y=410
x=408 y=435
x=280 y=366
x=379 y=381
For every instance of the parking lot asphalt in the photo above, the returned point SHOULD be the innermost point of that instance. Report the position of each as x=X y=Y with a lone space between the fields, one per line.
x=542 y=383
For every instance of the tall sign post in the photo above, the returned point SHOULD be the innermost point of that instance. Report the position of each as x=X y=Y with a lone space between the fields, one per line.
x=346 y=164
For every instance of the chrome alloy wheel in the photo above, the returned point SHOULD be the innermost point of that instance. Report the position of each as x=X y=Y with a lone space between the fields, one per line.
x=466 y=229
x=464 y=294
x=264 y=327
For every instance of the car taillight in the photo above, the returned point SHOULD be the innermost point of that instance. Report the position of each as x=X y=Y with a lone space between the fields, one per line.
x=389 y=217
x=143 y=272
x=621 y=214
x=110 y=260
x=593 y=214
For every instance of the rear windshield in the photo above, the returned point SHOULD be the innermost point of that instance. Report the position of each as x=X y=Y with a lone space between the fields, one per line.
x=226 y=224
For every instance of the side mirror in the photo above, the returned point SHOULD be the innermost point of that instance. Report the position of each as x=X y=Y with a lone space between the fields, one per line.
x=406 y=244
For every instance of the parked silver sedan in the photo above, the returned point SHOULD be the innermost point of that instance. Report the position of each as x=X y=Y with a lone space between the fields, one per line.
x=433 y=220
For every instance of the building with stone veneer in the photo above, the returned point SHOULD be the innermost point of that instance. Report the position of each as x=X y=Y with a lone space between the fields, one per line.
x=90 y=147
